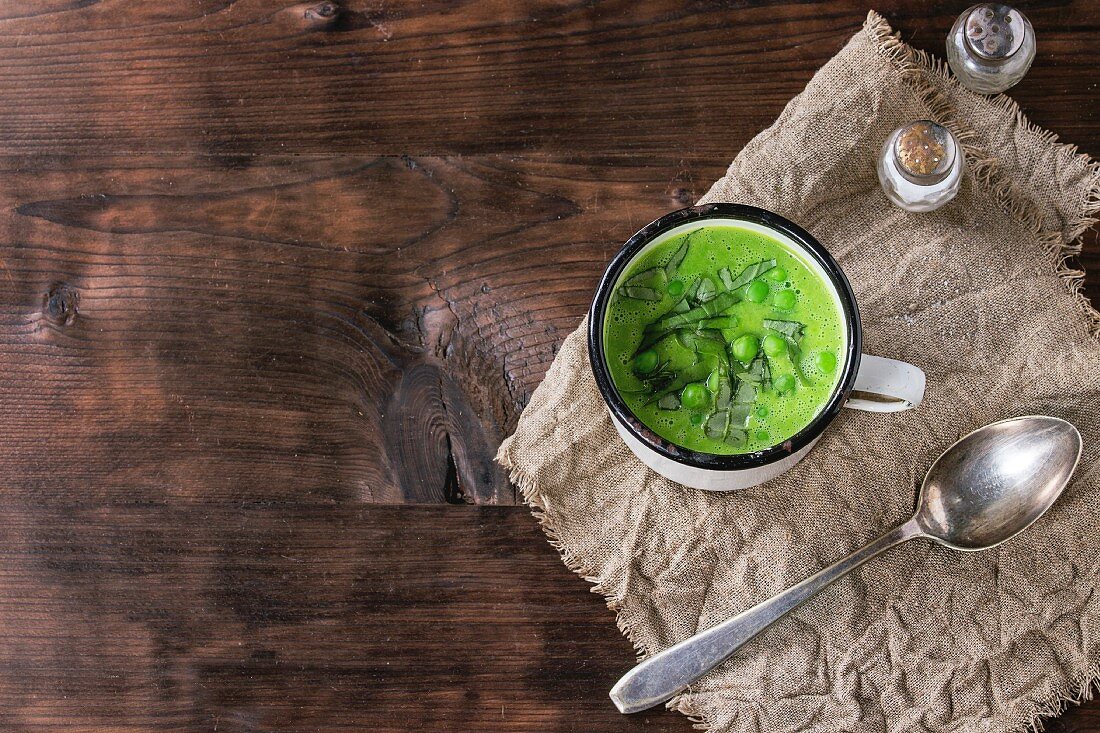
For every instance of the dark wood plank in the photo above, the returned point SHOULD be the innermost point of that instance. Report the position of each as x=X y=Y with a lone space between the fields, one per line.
x=304 y=619
x=440 y=76
x=348 y=329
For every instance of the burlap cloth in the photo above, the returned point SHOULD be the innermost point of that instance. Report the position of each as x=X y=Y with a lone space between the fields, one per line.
x=978 y=294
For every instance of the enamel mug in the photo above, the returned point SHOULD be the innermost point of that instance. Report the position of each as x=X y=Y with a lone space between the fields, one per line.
x=865 y=382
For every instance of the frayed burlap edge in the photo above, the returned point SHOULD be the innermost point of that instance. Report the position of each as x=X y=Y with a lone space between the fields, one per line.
x=915 y=66
x=912 y=64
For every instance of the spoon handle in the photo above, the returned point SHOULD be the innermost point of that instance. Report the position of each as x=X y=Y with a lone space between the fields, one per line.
x=668 y=672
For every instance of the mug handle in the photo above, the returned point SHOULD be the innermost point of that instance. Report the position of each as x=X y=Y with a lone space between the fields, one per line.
x=886 y=385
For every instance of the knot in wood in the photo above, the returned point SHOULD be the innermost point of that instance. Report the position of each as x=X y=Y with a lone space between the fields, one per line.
x=322 y=11
x=60 y=304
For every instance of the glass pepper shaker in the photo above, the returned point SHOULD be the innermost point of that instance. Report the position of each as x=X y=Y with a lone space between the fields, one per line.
x=990 y=47
x=921 y=166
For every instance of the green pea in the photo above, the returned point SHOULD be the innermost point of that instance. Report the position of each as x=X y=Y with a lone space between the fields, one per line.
x=694 y=396
x=778 y=274
x=757 y=291
x=762 y=411
x=762 y=435
x=826 y=361
x=713 y=381
x=645 y=362
x=676 y=288
x=745 y=348
x=784 y=300
x=697 y=418
x=784 y=383
x=774 y=345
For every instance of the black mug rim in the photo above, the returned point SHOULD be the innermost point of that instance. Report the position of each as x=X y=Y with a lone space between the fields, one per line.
x=711 y=461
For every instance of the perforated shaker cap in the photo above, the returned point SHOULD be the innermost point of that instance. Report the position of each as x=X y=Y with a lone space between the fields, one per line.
x=924 y=152
x=994 y=31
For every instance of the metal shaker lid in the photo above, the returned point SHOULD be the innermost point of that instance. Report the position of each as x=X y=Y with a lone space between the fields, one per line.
x=994 y=31
x=925 y=152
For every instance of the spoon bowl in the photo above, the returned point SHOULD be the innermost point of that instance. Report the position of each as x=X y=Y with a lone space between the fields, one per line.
x=995 y=482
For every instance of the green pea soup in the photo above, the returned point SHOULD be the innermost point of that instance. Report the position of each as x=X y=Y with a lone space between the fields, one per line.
x=723 y=339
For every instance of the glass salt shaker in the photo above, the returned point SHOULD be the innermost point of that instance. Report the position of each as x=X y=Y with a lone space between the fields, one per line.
x=990 y=47
x=921 y=166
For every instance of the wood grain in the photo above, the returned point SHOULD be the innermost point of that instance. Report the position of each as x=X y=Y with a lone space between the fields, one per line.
x=267 y=268
x=357 y=330
x=298 y=619
x=304 y=618
x=459 y=76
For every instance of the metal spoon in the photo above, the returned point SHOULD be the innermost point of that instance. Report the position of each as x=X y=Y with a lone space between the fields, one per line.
x=984 y=489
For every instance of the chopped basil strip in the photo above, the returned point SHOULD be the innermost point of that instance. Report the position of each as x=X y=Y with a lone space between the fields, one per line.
x=694 y=373
x=736 y=437
x=654 y=277
x=745 y=394
x=739 y=416
x=759 y=372
x=718 y=422
x=707 y=290
x=790 y=330
x=727 y=278
x=715 y=427
x=639 y=292
x=750 y=273
x=725 y=393
x=719 y=303
x=669 y=402
x=665 y=326
x=677 y=257
x=719 y=322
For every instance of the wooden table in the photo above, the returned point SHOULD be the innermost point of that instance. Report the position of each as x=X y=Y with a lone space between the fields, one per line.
x=277 y=279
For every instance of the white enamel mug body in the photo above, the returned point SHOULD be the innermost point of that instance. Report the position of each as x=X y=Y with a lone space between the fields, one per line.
x=865 y=382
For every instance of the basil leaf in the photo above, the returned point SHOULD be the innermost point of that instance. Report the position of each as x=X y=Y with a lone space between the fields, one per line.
x=725 y=393
x=694 y=373
x=737 y=437
x=669 y=402
x=719 y=303
x=707 y=290
x=665 y=326
x=638 y=292
x=719 y=322
x=750 y=273
x=654 y=277
x=758 y=371
x=727 y=278
x=677 y=257
x=718 y=422
x=739 y=416
x=790 y=330
x=715 y=427
x=745 y=394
